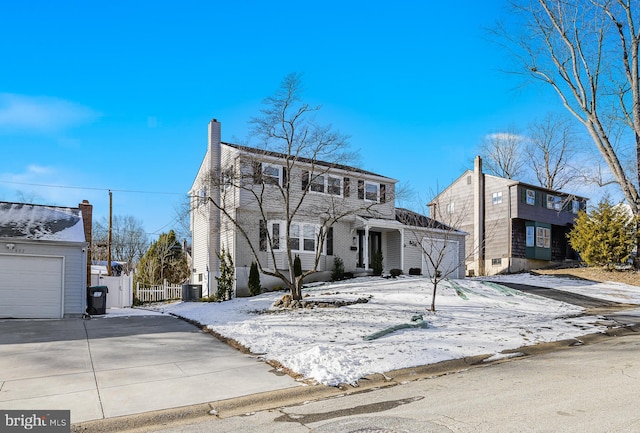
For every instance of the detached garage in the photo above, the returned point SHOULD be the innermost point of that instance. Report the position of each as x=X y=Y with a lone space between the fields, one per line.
x=43 y=260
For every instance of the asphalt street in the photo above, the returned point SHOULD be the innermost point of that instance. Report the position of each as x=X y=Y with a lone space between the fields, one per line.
x=589 y=388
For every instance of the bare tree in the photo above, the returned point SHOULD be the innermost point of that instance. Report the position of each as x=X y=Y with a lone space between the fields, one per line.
x=587 y=52
x=502 y=153
x=436 y=241
x=309 y=154
x=128 y=240
x=550 y=151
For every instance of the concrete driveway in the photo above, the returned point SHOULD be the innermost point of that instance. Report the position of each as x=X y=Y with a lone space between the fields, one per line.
x=113 y=366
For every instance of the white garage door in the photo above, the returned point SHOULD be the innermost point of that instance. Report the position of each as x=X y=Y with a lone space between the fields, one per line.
x=31 y=287
x=440 y=254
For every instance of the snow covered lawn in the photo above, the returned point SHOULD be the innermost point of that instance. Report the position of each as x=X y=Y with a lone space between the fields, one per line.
x=328 y=345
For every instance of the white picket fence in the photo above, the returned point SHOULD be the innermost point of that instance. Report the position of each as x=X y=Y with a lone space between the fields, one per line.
x=163 y=292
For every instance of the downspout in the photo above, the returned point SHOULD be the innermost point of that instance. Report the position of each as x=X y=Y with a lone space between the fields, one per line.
x=510 y=232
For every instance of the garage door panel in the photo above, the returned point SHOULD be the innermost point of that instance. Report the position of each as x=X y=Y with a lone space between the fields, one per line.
x=31 y=286
x=443 y=253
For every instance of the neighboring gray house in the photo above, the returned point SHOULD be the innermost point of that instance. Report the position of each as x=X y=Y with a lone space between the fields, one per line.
x=43 y=260
x=513 y=226
x=354 y=238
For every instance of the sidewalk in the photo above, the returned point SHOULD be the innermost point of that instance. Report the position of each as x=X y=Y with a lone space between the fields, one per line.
x=109 y=367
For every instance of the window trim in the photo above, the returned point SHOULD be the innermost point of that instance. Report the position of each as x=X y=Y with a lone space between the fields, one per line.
x=264 y=167
x=366 y=192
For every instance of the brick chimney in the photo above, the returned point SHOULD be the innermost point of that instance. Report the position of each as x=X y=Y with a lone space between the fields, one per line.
x=87 y=219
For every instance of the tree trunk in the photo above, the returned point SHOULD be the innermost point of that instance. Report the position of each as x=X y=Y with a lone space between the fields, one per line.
x=433 y=297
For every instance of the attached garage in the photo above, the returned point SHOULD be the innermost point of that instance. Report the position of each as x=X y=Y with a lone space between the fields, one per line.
x=43 y=261
x=31 y=286
x=443 y=254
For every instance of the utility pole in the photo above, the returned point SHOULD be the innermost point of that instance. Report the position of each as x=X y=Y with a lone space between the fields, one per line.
x=109 y=234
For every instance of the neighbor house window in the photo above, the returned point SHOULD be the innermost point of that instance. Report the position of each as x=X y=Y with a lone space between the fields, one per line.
x=496 y=198
x=496 y=262
x=543 y=237
x=308 y=237
x=530 y=236
x=531 y=197
x=451 y=208
x=575 y=206
x=554 y=202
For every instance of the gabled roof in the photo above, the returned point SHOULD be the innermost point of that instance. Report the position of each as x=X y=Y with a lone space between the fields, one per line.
x=411 y=218
x=37 y=222
x=279 y=155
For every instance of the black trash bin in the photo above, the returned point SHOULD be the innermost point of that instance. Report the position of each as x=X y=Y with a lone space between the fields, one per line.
x=97 y=299
x=191 y=292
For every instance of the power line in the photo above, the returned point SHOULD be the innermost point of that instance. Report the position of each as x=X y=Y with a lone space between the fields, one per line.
x=93 y=188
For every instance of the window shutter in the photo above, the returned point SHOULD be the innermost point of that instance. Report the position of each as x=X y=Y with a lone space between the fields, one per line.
x=285 y=177
x=257 y=172
x=383 y=193
x=361 y=189
x=263 y=235
x=346 y=186
x=305 y=180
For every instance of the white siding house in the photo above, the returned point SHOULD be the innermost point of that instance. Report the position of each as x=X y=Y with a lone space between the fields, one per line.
x=43 y=261
x=370 y=221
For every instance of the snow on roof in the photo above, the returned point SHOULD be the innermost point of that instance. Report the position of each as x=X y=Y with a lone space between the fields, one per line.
x=28 y=221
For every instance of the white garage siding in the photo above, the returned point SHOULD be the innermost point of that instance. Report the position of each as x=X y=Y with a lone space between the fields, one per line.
x=31 y=287
x=444 y=253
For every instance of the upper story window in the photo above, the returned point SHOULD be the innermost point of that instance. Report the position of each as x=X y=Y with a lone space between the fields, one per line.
x=554 y=202
x=334 y=185
x=575 y=206
x=531 y=197
x=371 y=191
x=271 y=174
x=268 y=173
x=451 y=208
x=496 y=197
x=324 y=183
x=317 y=183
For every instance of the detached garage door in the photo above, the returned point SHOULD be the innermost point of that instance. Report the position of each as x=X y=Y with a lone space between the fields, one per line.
x=442 y=253
x=31 y=287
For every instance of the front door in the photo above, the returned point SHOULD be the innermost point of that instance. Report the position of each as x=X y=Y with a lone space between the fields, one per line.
x=374 y=242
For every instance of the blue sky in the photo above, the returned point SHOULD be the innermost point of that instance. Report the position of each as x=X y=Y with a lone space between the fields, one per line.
x=117 y=95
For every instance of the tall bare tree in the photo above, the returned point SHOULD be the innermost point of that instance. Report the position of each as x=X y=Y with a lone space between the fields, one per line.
x=128 y=240
x=503 y=154
x=587 y=52
x=309 y=154
x=550 y=151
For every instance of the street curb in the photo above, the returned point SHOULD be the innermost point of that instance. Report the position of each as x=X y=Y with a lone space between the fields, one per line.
x=297 y=395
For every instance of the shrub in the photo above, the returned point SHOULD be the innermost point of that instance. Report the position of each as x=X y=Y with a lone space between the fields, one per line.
x=254 y=280
x=226 y=278
x=395 y=272
x=376 y=263
x=337 y=273
x=605 y=236
x=297 y=266
x=415 y=271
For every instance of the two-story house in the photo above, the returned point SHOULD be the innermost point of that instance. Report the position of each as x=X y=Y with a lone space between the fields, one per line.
x=512 y=226
x=249 y=220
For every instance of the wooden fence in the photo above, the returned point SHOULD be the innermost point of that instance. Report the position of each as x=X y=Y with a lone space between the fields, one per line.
x=163 y=292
